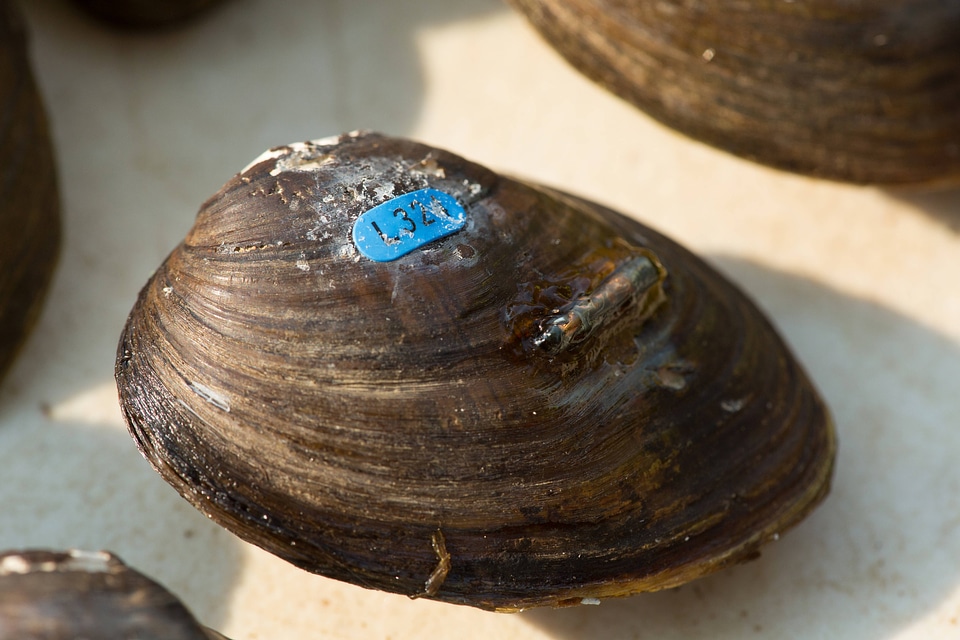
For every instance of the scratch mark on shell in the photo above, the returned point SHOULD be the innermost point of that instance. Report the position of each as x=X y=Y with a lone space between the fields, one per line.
x=211 y=396
x=432 y=586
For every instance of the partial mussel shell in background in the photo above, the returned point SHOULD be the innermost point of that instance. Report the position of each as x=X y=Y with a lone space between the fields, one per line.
x=29 y=205
x=391 y=366
x=867 y=92
x=142 y=14
x=66 y=595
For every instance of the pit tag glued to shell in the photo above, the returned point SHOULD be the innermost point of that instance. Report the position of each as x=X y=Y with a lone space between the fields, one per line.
x=405 y=223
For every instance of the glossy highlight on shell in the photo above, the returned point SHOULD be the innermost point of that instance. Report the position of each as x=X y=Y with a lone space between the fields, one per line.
x=553 y=404
x=866 y=92
x=75 y=594
x=29 y=204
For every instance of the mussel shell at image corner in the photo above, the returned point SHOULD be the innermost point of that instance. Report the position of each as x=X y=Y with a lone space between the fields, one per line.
x=864 y=92
x=145 y=14
x=65 y=595
x=388 y=423
x=29 y=202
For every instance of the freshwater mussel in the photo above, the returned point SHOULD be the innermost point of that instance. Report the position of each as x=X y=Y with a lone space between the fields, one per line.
x=77 y=594
x=866 y=91
x=394 y=367
x=29 y=204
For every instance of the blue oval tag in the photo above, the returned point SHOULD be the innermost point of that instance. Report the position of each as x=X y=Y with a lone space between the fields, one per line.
x=398 y=226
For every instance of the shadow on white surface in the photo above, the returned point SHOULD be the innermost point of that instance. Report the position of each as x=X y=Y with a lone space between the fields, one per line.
x=70 y=484
x=248 y=74
x=941 y=205
x=879 y=554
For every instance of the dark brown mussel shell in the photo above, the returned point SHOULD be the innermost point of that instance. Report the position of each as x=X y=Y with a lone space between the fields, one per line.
x=142 y=14
x=29 y=205
x=549 y=403
x=70 y=595
x=866 y=92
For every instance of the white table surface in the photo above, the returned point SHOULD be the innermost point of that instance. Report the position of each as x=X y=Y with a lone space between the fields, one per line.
x=863 y=282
